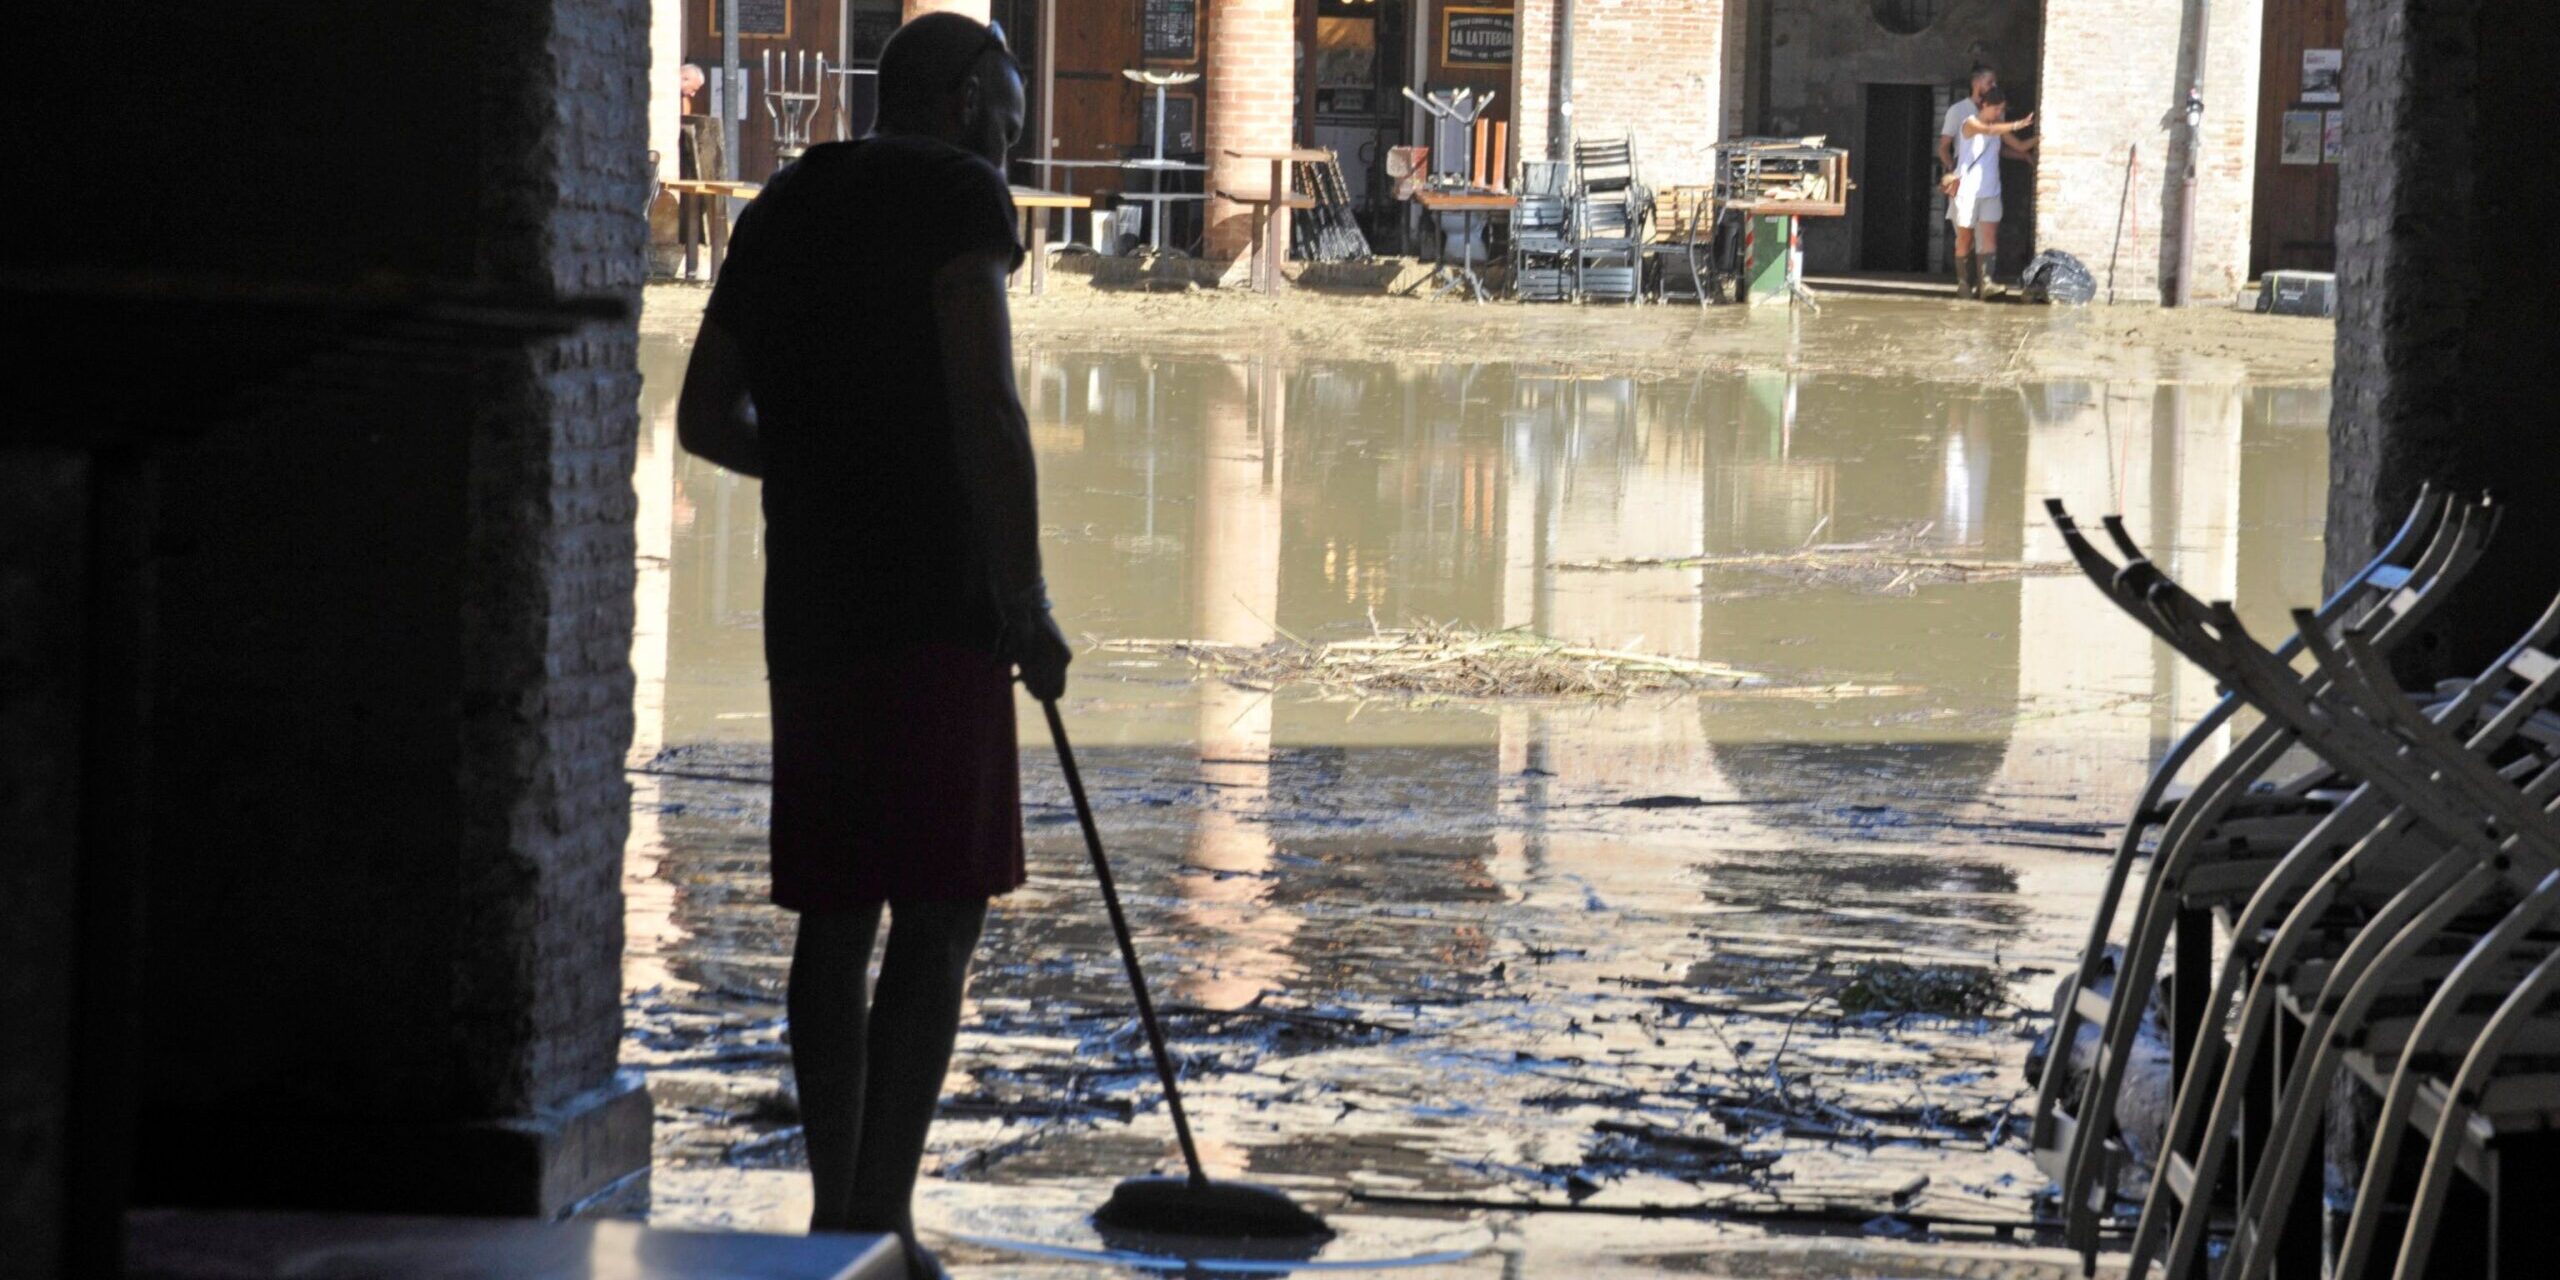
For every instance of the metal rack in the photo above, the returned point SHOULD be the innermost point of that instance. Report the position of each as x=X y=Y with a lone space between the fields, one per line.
x=1797 y=176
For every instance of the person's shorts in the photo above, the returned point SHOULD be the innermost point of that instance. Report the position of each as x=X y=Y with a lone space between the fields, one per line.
x=1966 y=213
x=897 y=777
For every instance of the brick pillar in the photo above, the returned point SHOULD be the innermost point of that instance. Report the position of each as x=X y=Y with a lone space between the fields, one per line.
x=1252 y=59
x=971 y=8
x=2442 y=344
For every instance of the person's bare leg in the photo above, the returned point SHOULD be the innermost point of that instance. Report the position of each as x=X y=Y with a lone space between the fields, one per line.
x=830 y=970
x=915 y=1017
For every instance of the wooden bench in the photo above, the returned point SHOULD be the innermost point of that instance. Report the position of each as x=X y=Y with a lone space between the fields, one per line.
x=699 y=196
x=1031 y=211
x=1271 y=209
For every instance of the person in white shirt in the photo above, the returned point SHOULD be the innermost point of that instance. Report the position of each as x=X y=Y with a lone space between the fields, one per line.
x=1974 y=206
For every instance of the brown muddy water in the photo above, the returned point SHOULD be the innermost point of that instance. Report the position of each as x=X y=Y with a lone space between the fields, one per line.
x=1599 y=954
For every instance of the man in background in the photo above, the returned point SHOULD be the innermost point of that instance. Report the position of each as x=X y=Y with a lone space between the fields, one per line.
x=1951 y=129
x=857 y=355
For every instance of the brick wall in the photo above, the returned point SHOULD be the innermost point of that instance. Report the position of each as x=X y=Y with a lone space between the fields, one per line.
x=1252 y=96
x=2114 y=72
x=1654 y=68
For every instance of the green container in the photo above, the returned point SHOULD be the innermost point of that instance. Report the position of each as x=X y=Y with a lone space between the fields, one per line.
x=1768 y=258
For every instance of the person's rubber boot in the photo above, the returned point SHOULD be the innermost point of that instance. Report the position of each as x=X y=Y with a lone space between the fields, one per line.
x=1964 y=277
x=1986 y=282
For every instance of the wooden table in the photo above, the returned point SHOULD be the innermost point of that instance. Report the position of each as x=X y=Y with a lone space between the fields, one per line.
x=1031 y=211
x=697 y=196
x=1271 y=210
x=1475 y=207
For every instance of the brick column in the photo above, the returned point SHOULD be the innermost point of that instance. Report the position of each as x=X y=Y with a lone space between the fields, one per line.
x=971 y=8
x=1252 y=56
x=2443 y=346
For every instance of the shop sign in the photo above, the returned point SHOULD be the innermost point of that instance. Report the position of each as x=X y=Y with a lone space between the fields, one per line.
x=1475 y=37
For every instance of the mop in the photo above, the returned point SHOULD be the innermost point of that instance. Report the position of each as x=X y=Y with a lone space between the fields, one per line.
x=1191 y=1205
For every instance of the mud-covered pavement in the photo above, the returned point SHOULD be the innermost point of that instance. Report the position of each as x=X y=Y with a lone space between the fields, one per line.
x=1487 y=979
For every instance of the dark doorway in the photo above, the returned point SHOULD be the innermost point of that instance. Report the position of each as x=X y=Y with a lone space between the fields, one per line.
x=1894 y=229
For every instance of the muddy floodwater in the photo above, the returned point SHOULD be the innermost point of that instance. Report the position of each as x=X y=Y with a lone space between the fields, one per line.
x=1438 y=963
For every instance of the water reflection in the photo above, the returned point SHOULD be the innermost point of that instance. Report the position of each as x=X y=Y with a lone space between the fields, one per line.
x=1401 y=857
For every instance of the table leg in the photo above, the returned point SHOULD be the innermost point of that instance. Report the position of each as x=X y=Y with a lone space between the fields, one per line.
x=1021 y=235
x=1278 y=241
x=688 y=218
x=1261 y=273
x=1040 y=254
x=719 y=234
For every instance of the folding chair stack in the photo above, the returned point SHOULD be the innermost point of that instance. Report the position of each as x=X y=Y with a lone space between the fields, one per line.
x=1683 y=243
x=2404 y=940
x=1610 y=211
x=1542 y=249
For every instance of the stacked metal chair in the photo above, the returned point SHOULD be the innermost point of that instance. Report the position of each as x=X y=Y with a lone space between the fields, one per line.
x=1610 y=210
x=1542 y=250
x=2406 y=939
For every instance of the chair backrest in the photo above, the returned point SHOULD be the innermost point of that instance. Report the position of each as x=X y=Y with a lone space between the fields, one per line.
x=1545 y=178
x=1604 y=164
x=1540 y=213
x=1610 y=215
x=702 y=147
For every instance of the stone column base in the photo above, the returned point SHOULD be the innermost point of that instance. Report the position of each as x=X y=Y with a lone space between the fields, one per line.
x=547 y=1164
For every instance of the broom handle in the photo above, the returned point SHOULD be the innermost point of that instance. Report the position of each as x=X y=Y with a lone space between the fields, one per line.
x=1128 y=949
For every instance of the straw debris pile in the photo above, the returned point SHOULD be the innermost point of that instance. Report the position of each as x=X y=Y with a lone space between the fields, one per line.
x=1888 y=565
x=1437 y=662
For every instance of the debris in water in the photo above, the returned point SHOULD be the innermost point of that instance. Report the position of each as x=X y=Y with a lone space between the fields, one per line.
x=1444 y=661
x=1948 y=990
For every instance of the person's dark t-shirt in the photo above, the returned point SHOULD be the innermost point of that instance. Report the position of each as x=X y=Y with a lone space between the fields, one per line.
x=828 y=289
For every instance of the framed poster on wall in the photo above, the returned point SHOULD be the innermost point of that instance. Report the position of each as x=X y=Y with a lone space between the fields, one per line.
x=2323 y=74
x=2299 y=140
x=1169 y=30
x=1475 y=38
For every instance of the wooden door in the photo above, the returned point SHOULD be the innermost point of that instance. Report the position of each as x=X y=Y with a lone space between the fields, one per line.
x=2294 y=218
x=1892 y=195
x=1097 y=107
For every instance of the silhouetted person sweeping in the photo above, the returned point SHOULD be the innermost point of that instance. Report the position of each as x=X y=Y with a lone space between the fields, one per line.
x=857 y=355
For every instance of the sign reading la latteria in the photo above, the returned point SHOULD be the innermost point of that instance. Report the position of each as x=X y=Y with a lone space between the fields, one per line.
x=1475 y=38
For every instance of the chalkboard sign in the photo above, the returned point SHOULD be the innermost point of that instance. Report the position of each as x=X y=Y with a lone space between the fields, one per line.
x=871 y=28
x=756 y=17
x=1181 y=123
x=1472 y=37
x=1169 y=30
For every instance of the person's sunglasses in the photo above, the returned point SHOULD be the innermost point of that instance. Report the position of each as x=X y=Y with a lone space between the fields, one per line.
x=995 y=40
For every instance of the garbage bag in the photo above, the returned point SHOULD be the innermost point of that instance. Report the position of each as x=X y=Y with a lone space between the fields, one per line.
x=2056 y=276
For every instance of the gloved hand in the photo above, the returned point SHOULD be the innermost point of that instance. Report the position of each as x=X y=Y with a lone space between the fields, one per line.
x=1033 y=643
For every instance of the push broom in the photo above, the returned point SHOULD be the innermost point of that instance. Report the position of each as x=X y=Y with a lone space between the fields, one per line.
x=1191 y=1205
